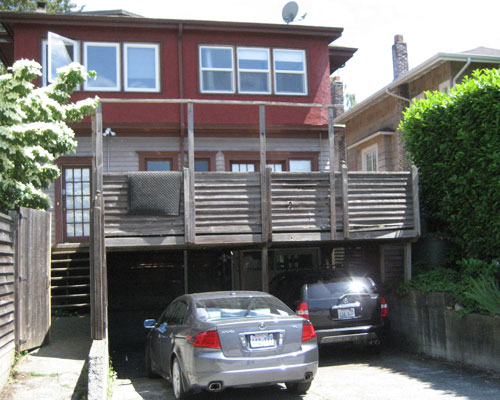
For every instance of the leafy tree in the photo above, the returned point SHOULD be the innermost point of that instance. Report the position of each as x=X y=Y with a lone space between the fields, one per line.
x=455 y=142
x=53 y=6
x=33 y=131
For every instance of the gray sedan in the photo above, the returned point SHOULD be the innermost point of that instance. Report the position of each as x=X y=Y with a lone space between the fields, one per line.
x=212 y=341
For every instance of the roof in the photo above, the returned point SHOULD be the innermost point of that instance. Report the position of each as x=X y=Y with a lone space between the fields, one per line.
x=114 y=13
x=339 y=56
x=478 y=55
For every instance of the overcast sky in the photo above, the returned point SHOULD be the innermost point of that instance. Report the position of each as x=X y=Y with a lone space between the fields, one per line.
x=428 y=27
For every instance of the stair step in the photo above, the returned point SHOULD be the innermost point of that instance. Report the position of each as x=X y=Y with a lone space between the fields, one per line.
x=70 y=305
x=65 y=260
x=83 y=285
x=68 y=296
x=61 y=269
x=61 y=278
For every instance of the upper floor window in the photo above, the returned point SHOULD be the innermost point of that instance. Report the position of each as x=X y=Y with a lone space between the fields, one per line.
x=253 y=70
x=216 y=69
x=103 y=58
x=62 y=52
x=289 y=71
x=300 y=165
x=369 y=158
x=141 y=69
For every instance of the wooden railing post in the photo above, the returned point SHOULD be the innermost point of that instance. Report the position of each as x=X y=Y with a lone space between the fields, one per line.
x=265 y=180
x=331 y=151
x=189 y=203
x=416 y=201
x=345 y=200
x=98 y=274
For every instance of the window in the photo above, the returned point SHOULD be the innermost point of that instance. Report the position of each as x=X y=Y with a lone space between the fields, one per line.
x=202 y=165
x=253 y=70
x=300 y=165
x=57 y=52
x=216 y=69
x=141 y=68
x=243 y=166
x=289 y=72
x=103 y=58
x=157 y=160
x=276 y=167
x=369 y=158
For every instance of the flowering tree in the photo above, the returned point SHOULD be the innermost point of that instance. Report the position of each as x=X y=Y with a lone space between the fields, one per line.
x=34 y=131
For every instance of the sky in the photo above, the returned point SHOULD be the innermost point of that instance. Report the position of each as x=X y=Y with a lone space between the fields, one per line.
x=428 y=27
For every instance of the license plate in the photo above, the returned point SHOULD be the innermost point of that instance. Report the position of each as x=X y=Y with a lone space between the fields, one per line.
x=346 y=313
x=260 y=340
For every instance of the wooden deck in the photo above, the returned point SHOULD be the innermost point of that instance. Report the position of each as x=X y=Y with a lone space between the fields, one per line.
x=243 y=208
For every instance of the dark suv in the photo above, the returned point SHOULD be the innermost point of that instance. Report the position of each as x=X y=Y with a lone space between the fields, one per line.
x=342 y=308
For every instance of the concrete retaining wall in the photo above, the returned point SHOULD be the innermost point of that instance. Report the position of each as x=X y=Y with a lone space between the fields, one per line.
x=427 y=323
x=98 y=370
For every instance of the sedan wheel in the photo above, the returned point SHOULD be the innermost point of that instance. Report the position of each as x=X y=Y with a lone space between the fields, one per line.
x=298 y=387
x=178 y=381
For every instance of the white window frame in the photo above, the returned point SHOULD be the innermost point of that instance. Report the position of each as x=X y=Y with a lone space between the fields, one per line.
x=303 y=72
x=117 y=88
x=256 y=71
x=128 y=45
x=202 y=69
x=46 y=63
x=364 y=153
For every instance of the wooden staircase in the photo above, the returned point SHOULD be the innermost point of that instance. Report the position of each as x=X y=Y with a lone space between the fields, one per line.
x=70 y=279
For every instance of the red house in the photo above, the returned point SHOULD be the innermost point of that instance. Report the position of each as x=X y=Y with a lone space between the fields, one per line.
x=220 y=102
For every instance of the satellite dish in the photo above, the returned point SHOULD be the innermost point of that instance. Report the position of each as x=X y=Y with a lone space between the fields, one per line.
x=290 y=11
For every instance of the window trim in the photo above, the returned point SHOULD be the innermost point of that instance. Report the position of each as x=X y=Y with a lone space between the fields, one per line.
x=255 y=71
x=156 y=48
x=45 y=61
x=145 y=156
x=115 y=45
x=202 y=69
x=303 y=72
x=271 y=156
x=76 y=54
x=364 y=153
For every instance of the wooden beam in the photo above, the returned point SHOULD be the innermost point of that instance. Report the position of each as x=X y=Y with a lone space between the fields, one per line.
x=416 y=201
x=381 y=250
x=407 y=262
x=265 y=268
x=345 y=200
x=189 y=207
x=331 y=151
x=265 y=179
x=98 y=274
x=190 y=136
x=186 y=272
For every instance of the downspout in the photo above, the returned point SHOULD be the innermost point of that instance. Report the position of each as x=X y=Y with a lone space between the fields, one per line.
x=469 y=61
x=181 y=94
x=397 y=96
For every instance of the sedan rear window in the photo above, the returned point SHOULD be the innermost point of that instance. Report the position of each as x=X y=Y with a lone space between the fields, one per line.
x=324 y=290
x=241 y=307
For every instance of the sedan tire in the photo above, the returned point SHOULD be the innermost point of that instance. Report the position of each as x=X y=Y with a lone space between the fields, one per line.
x=178 y=381
x=298 y=387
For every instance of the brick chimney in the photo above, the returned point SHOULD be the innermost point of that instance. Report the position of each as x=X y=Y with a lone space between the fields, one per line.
x=337 y=93
x=399 y=56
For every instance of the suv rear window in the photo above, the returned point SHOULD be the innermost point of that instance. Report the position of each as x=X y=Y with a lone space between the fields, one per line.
x=324 y=290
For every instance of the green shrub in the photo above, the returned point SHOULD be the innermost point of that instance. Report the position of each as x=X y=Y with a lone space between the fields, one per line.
x=485 y=291
x=454 y=140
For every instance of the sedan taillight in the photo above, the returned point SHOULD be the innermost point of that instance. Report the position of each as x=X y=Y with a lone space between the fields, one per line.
x=383 y=307
x=308 y=332
x=303 y=310
x=208 y=339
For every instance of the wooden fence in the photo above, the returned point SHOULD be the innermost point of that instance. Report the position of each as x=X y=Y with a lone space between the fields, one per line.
x=7 y=345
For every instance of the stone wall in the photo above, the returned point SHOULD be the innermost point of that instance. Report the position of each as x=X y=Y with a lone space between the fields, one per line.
x=428 y=324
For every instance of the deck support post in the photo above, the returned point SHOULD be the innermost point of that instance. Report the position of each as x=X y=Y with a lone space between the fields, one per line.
x=345 y=200
x=331 y=154
x=189 y=204
x=98 y=274
x=381 y=250
x=265 y=268
x=186 y=272
x=265 y=180
x=415 y=199
x=407 y=262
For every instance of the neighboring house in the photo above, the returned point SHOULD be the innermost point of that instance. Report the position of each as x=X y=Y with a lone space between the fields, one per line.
x=372 y=138
x=241 y=233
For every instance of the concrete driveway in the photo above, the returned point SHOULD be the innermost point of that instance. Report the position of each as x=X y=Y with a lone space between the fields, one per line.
x=344 y=373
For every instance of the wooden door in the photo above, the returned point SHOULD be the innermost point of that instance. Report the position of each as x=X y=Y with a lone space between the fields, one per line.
x=33 y=278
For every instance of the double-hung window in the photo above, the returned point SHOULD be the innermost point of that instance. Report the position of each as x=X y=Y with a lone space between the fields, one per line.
x=290 y=72
x=369 y=158
x=253 y=70
x=141 y=69
x=104 y=59
x=216 y=69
